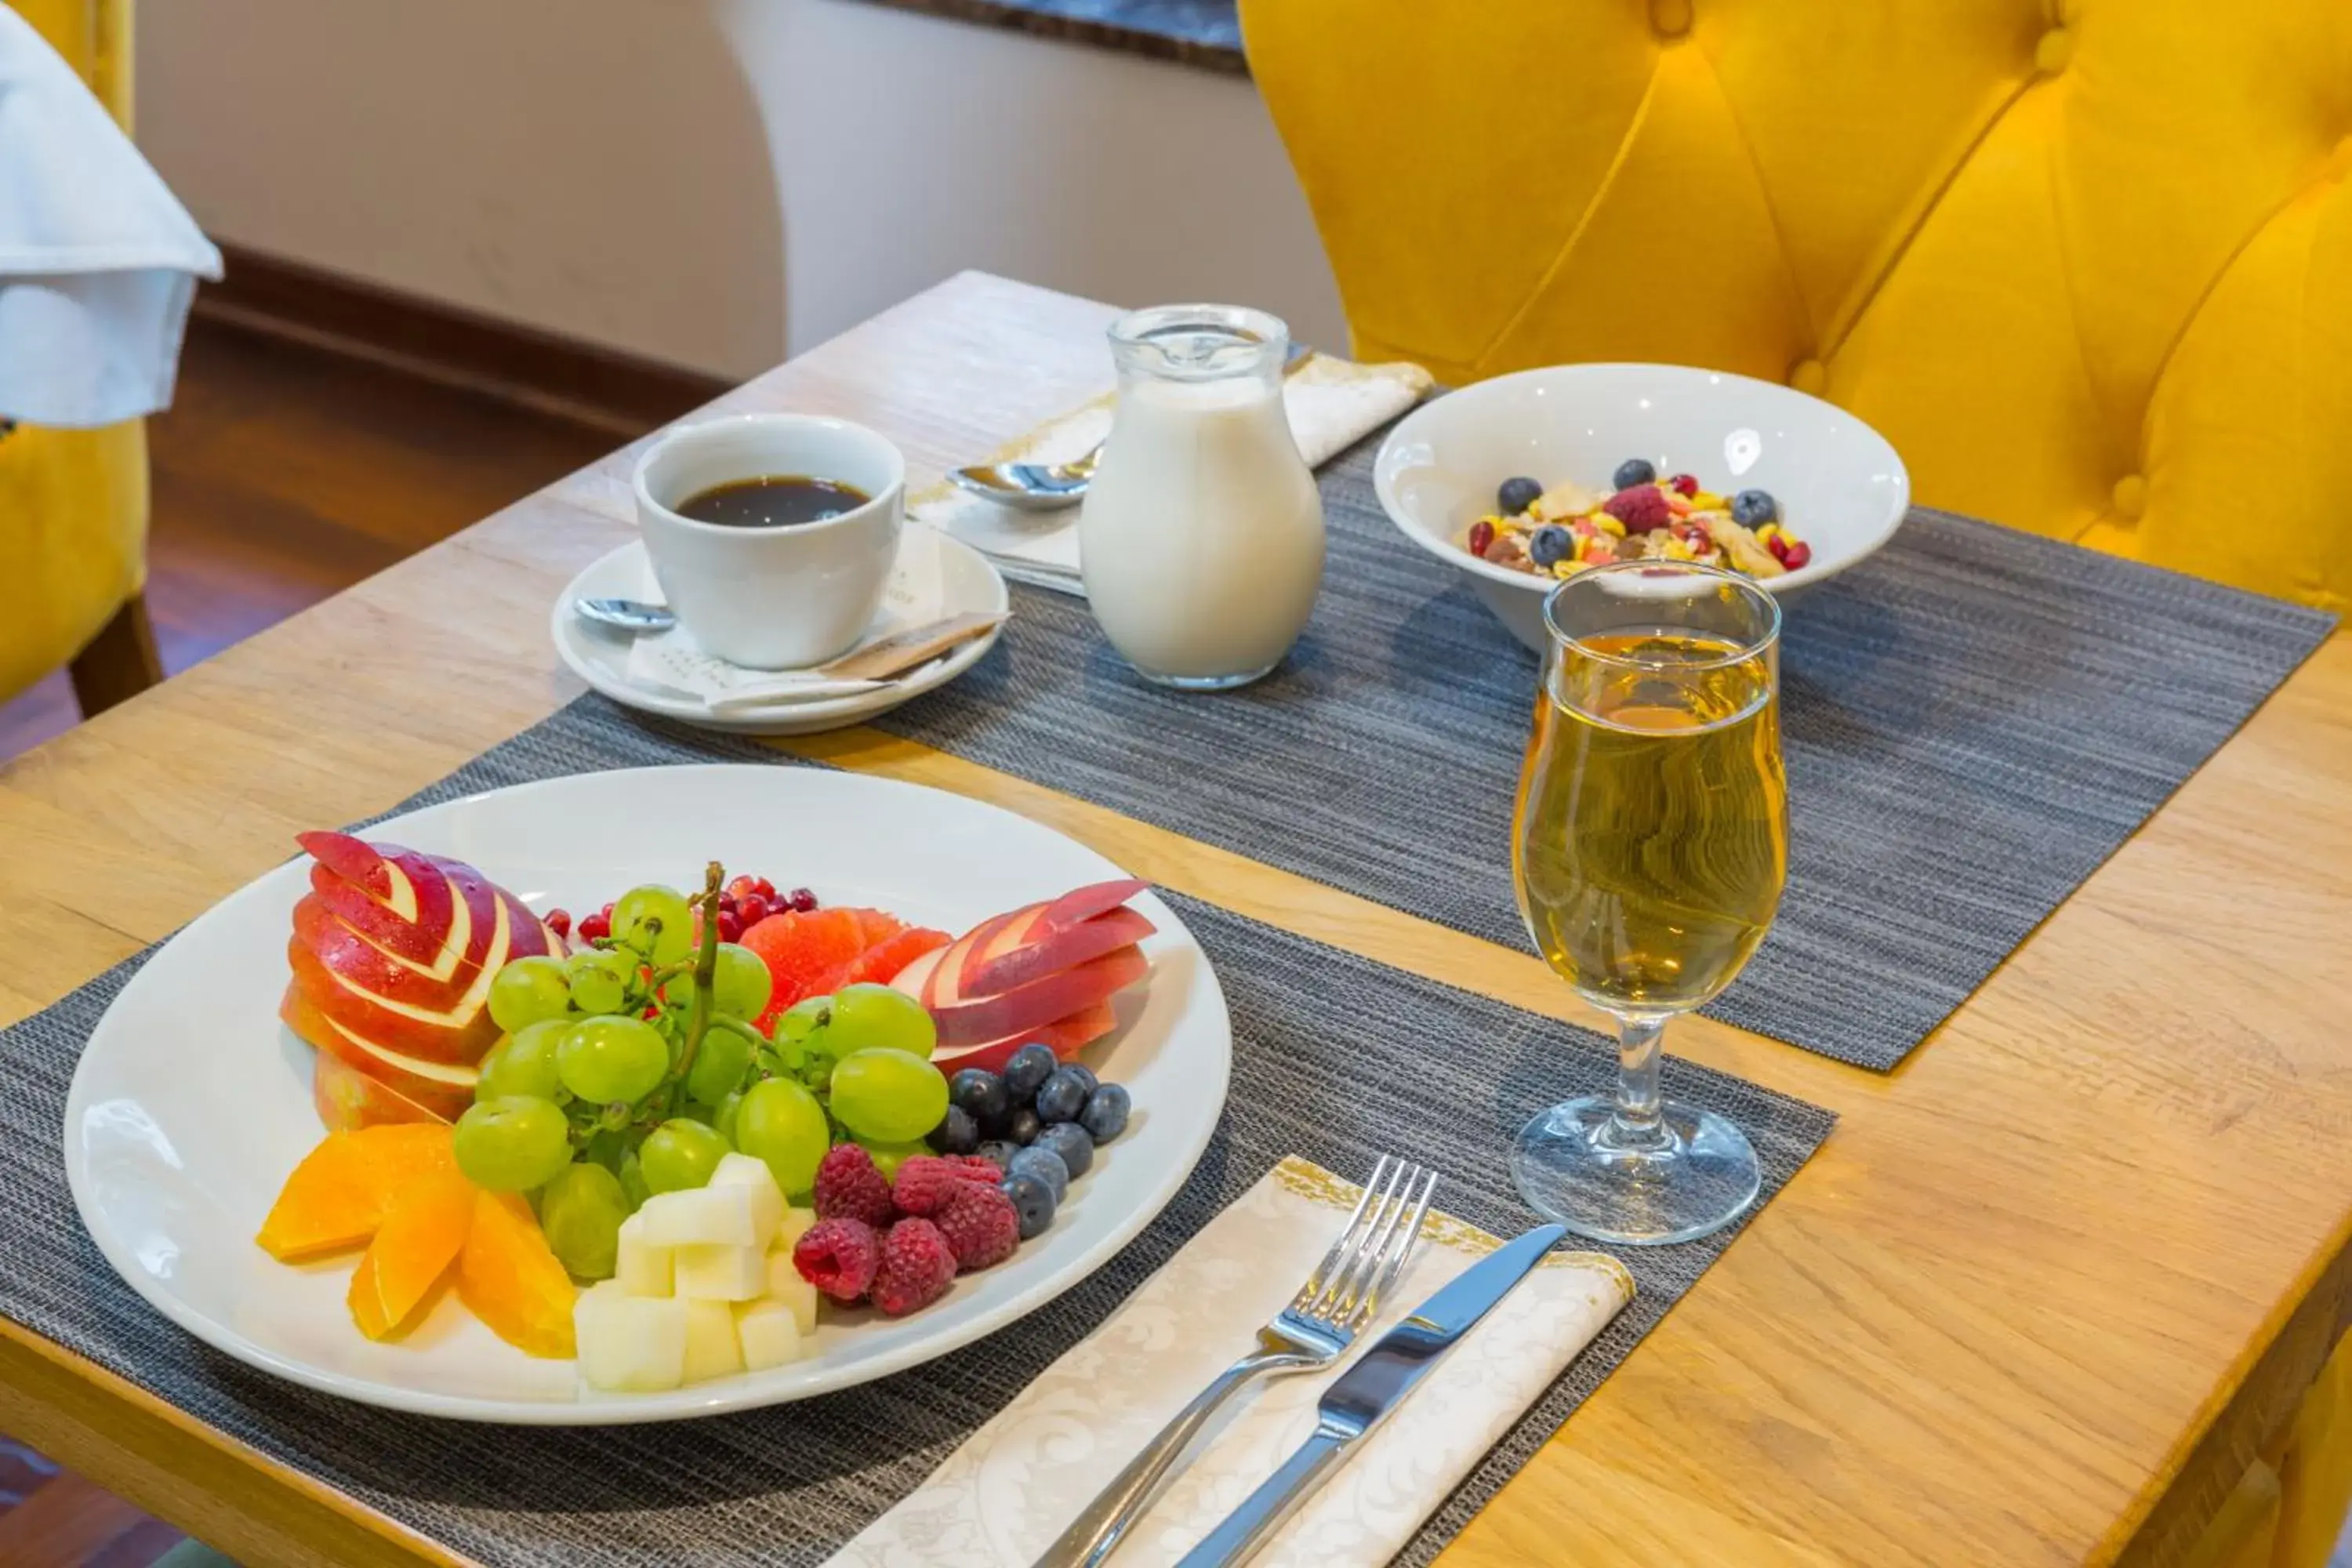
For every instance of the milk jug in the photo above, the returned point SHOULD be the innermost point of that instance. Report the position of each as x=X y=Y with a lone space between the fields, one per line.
x=1201 y=535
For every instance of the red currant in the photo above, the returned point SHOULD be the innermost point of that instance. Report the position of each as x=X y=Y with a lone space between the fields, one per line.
x=1683 y=484
x=1482 y=534
x=750 y=909
x=595 y=926
x=1800 y=554
x=558 y=922
x=729 y=926
x=802 y=900
x=741 y=887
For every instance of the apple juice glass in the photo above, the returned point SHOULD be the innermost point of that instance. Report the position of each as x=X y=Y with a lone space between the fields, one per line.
x=1649 y=847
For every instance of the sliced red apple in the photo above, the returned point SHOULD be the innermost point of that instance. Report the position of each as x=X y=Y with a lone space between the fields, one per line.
x=1035 y=954
x=1085 y=904
x=941 y=988
x=353 y=860
x=441 y=1087
x=1040 y=1001
x=348 y=1099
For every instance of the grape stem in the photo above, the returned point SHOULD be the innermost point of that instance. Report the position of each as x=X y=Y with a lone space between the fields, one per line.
x=706 y=968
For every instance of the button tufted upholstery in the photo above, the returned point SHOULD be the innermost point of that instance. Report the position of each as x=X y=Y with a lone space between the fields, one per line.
x=2087 y=264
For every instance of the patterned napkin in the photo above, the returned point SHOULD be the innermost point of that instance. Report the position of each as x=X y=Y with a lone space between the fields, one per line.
x=1332 y=403
x=1017 y=1482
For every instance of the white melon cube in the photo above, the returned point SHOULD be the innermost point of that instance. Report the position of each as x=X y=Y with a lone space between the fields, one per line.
x=770 y=1334
x=712 y=1347
x=642 y=1268
x=630 y=1344
x=700 y=1217
x=786 y=1286
x=796 y=1225
x=709 y=1271
x=767 y=1198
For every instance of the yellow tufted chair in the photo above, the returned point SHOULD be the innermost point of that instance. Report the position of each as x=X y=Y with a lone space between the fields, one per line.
x=2086 y=263
x=73 y=503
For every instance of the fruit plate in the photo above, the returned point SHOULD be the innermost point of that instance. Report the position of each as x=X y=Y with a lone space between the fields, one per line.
x=192 y=1101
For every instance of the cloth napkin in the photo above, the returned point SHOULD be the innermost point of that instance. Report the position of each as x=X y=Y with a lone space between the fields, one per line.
x=97 y=261
x=1331 y=401
x=914 y=595
x=1017 y=1482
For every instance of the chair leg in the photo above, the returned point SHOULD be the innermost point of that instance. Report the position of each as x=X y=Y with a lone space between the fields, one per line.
x=119 y=662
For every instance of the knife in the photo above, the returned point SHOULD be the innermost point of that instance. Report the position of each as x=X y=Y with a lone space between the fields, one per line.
x=1371 y=1388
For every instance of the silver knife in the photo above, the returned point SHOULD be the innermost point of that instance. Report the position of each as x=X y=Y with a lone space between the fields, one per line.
x=1369 y=1390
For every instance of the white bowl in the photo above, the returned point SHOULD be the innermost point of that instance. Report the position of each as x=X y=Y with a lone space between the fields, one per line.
x=1841 y=487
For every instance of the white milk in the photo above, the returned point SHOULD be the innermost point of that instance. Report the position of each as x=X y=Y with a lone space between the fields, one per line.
x=1201 y=537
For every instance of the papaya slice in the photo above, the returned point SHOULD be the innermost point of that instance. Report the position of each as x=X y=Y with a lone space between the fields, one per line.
x=422 y=1235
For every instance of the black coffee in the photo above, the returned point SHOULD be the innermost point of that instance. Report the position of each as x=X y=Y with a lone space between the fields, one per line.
x=773 y=500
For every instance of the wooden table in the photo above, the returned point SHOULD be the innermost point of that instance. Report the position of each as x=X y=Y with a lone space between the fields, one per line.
x=2038 y=1301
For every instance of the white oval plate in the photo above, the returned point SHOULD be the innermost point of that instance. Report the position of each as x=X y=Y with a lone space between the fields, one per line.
x=191 y=1102
x=600 y=654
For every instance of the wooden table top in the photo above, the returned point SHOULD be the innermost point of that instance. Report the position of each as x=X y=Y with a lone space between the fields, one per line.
x=2037 y=1301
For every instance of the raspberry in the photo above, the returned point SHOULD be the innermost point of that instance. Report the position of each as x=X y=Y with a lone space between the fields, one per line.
x=1640 y=508
x=980 y=1225
x=839 y=1256
x=926 y=1181
x=849 y=1187
x=1685 y=483
x=918 y=1267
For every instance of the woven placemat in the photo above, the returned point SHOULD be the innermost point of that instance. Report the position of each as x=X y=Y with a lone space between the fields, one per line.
x=1974 y=719
x=1335 y=1057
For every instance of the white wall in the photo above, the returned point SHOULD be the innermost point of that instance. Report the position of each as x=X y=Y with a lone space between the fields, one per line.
x=715 y=182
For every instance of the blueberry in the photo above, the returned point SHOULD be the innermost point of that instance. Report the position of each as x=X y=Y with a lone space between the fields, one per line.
x=1549 y=544
x=1021 y=1126
x=1069 y=1140
x=1033 y=1200
x=999 y=1151
x=1084 y=1074
x=1063 y=1097
x=1029 y=1067
x=1634 y=471
x=958 y=1134
x=1517 y=495
x=980 y=1093
x=1754 y=509
x=1105 y=1117
x=1046 y=1166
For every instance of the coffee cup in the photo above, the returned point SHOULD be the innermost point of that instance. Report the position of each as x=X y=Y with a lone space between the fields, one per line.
x=777 y=597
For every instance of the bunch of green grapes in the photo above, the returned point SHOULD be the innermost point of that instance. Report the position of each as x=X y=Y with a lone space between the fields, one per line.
x=632 y=1067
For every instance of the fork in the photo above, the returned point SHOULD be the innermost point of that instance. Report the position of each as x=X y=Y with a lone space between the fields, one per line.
x=1339 y=1297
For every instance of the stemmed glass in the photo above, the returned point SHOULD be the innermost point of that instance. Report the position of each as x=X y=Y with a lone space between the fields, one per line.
x=1649 y=847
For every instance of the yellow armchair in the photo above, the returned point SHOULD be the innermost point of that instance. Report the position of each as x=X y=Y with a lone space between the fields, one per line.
x=2087 y=264
x=73 y=503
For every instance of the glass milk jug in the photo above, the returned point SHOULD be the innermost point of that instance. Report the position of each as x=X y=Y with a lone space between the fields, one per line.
x=1201 y=537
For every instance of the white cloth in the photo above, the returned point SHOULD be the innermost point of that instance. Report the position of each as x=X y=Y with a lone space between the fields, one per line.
x=1017 y=1482
x=1331 y=401
x=98 y=261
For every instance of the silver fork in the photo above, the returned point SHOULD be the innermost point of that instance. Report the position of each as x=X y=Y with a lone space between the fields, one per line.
x=1339 y=1297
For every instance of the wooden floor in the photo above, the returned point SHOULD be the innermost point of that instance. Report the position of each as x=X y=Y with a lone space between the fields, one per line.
x=281 y=474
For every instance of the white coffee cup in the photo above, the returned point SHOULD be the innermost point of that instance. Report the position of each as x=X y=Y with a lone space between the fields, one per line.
x=773 y=599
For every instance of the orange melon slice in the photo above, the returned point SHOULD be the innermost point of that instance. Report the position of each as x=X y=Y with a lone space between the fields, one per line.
x=338 y=1195
x=510 y=1278
x=421 y=1237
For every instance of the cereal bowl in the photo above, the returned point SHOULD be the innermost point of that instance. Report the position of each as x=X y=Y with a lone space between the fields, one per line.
x=1839 y=484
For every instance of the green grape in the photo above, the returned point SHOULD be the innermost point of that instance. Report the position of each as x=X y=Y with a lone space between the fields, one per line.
x=723 y=1116
x=612 y=1061
x=512 y=1144
x=889 y=1157
x=719 y=1063
x=633 y=1182
x=886 y=1096
x=866 y=1016
x=656 y=922
x=803 y=1021
x=739 y=984
x=600 y=979
x=680 y=1153
x=529 y=990
x=780 y=1122
x=607 y=1148
x=581 y=1210
x=524 y=1063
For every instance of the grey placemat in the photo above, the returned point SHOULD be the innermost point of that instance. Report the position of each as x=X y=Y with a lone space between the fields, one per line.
x=1335 y=1057
x=1974 y=719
